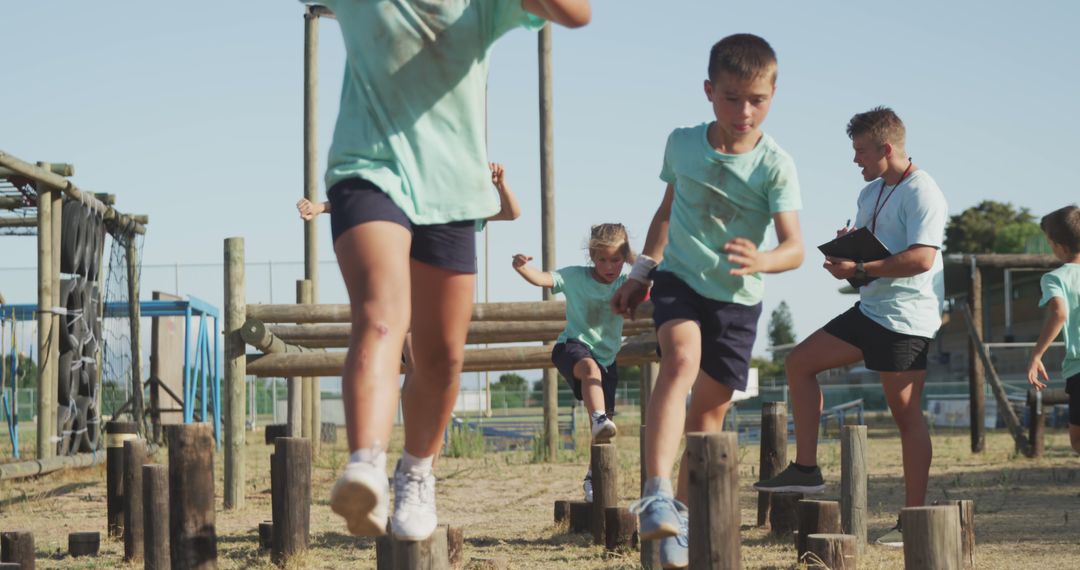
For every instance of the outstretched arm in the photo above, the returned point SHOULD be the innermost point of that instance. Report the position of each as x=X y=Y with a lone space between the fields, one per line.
x=787 y=255
x=538 y=278
x=1056 y=314
x=509 y=209
x=569 y=13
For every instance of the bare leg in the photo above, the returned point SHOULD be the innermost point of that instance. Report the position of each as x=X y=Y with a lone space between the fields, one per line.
x=442 y=305
x=903 y=392
x=819 y=352
x=374 y=262
x=709 y=403
x=680 y=345
x=588 y=372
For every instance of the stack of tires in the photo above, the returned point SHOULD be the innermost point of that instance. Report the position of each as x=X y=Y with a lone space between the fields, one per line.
x=82 y=243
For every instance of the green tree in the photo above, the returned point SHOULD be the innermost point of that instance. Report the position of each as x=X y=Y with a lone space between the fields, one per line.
x=512 y=381
x=1021 y=237
x=781 y=327
x=990 y=227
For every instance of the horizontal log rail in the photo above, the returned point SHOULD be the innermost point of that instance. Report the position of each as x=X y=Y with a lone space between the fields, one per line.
x=501 y=312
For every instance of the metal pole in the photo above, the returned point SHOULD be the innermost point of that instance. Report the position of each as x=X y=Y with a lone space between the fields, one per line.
x=47 y=378
x=547 y=229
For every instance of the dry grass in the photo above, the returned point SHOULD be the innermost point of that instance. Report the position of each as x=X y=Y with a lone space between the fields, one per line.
x=1028 y=511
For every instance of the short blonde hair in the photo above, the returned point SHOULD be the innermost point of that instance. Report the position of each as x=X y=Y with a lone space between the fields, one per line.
x=881 y=124
x=611 y=235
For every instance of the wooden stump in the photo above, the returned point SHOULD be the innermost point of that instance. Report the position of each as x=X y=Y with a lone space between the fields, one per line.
x=562 y=512
x=266 y=534
x=831 y=551
x=713 y=463
x=17 y=546
x=455 y=546
x=192 y=532
x=384 y=551
x=580 y=517
x=292 y=457
x=274 y=431
x=134 y=458
x=815 y=517
x=116 y=434
x=430 y=554
x=155 y=482
x=84 y=543
x=328 y=432
x=967 y=531
x=932 y=537
x=783 y=515
x=853 y=482
x=605 y=472
x=773 y=452
x=620 y=528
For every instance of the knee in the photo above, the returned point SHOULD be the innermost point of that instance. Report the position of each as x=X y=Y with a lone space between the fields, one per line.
x=587 y=368
x=443 y=359
x=800 y=363
x=680 y=363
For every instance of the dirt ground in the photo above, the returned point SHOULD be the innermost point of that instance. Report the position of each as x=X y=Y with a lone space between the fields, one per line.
x=1027 y=511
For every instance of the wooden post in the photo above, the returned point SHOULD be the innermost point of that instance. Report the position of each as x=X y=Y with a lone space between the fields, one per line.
x=313 y=402
x=292 y=527
x=713 y=461
x=266 y=535
x=604 y=462
x=384 y=551
x=135 y=312
x=831 y=551
x=547 y=227
x=430 y=554
x=235 y=374
x=1036 y=424
x=773 y=452
x=975 y=368
x=562 y=512
x=47 y=366
x=311 y=159
x=620 y=528
x=783 y=515
x=134 y=458
x=302 y=291
x=156 y=517
x=192 y=534
x=84 y=543
x=455 y=545
x=18 y=546
x=116 y=434
x=816 y=517
x=56 y=212
x=853 y=483
x=580 y=516
x=931 y=537
x=967 y=531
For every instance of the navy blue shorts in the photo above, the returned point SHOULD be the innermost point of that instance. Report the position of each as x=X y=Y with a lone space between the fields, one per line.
x=1072 y=388
x=449 y=246
x=728 y=330
x=883 y=350
x=567 y=354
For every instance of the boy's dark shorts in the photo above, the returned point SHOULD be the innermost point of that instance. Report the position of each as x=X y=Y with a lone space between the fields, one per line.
x=883 y=350
x=449 y=246
x=728 y=330
x=567 y=354
x=1072 y=388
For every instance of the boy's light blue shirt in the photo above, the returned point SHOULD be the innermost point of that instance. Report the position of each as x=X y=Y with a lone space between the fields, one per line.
x=719 y=197
x=914 y=213
x=1064 y=282
x=589 y=318
x=412 y=115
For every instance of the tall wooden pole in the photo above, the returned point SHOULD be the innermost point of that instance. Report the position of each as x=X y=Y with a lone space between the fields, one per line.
x=134 y=308
x=312 y=417
x=47 y=377
x=975 y=366
x=547 y=230
x=311 y=192
x=56 y=212
x=235 y=373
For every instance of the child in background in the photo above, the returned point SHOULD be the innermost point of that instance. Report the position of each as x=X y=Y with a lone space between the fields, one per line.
x=585 y=351
x=406 y=185
x=728 y=183
x=1061 y=297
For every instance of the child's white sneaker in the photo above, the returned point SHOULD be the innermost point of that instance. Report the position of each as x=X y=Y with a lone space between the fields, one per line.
x=603 y=430
x=414 y=505
x=362 y=496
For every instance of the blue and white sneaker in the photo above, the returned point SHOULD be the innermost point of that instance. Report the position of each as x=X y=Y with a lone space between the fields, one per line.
x=675 y=550
x=658 y=516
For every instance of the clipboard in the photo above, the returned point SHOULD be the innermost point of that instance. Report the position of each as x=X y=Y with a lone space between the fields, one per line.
x=859 y=245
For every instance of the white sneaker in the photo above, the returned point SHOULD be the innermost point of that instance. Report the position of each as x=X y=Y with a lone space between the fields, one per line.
x=362 y=496
x=414 y=505
x=587 y=485
x=603 y=430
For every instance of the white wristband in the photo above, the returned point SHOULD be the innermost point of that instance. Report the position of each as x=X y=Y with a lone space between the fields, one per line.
x=640 y=271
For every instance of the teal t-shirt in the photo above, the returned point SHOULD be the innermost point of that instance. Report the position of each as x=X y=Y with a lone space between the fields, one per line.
x=589 y=318
x=915 y=212
x=719 y=197
x=412 y=114
x=1064 y=282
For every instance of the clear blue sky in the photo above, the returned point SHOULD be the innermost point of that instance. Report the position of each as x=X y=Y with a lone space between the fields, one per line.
x=191 y=113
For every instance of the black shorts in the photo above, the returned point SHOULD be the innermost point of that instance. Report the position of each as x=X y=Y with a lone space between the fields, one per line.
x=728 y=330
x=449 y=246
x=1072 y=388
x=567 y=354
x=883 y=350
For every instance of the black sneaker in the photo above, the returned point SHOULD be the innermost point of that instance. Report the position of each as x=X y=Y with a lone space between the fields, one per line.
x=792 y=480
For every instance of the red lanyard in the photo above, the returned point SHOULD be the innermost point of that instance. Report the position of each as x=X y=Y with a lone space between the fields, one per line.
x=877 y=210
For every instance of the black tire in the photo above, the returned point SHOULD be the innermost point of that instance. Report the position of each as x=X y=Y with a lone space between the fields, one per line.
x=95 y=241
x=71 y=220
x=67 y=377
x=67 y=286
x=88 y=380
x=89 y=440
x=86 y=242
x=79 y=428
x=63 y=447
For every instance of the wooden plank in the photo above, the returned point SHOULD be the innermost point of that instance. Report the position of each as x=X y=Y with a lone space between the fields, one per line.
x=509 y=311
x=1005 y=260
